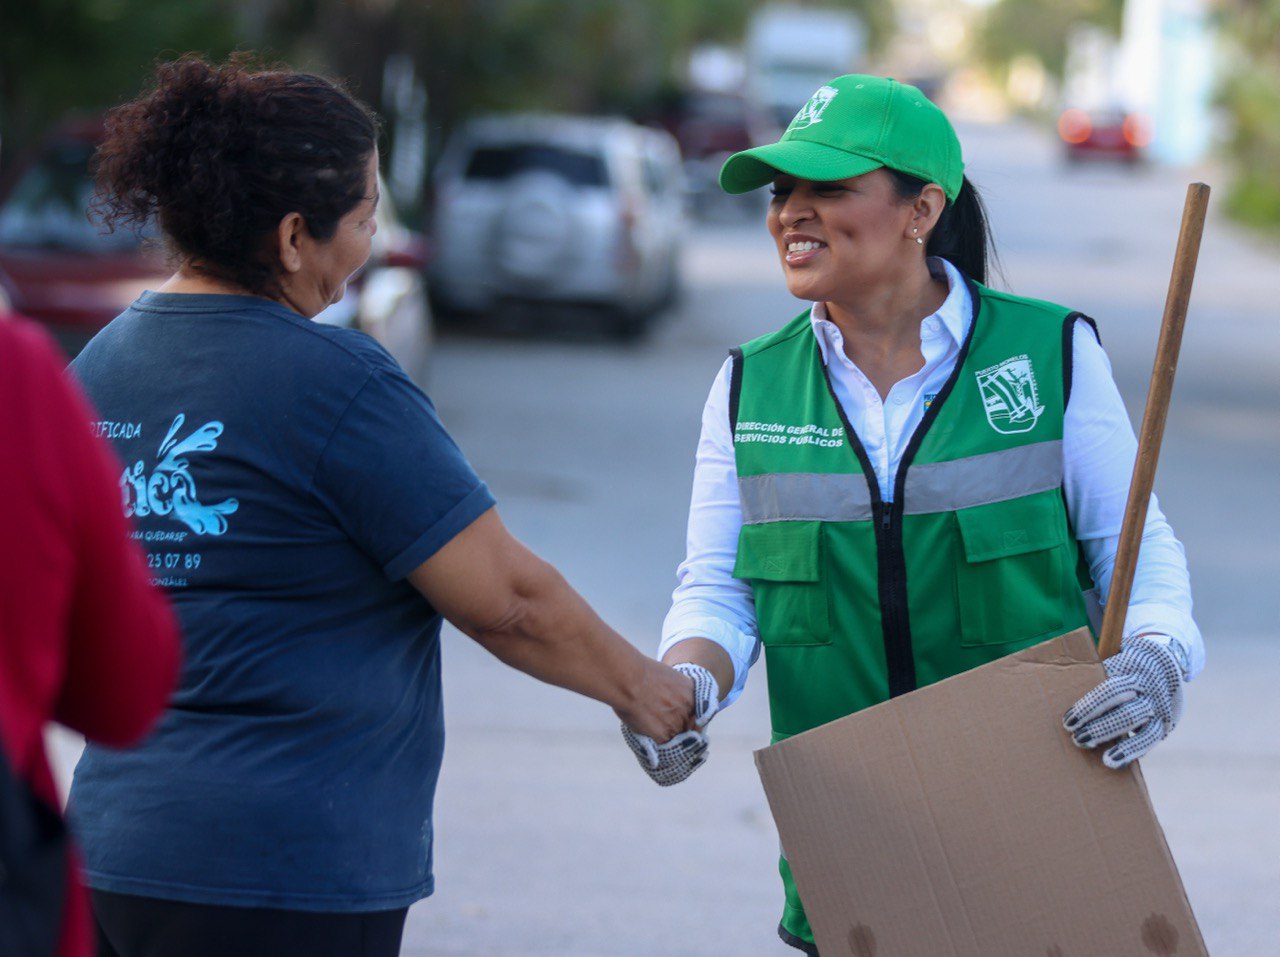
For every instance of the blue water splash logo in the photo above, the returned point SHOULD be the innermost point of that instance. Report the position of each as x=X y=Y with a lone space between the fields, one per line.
x=170 y=489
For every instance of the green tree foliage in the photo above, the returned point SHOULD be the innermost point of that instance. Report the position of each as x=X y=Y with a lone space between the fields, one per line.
x=482 y=55
x=1015 y=28
x=79 y=56
x=475 y=56
x=471 y=55
x=1251 y=95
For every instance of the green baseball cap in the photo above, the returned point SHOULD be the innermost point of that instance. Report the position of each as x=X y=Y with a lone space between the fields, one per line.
x=852 y=125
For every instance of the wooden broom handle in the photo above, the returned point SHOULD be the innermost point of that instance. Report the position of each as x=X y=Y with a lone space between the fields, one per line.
x=1153 y=419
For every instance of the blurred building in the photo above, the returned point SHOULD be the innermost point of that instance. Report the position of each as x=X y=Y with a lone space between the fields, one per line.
x=1167 y=69
x=791 y=50
x=931 y=39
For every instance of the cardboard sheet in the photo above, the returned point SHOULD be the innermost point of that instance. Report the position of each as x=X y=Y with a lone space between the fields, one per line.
x=960 y=821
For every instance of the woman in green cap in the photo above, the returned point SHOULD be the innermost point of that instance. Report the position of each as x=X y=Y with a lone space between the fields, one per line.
x=904 y=481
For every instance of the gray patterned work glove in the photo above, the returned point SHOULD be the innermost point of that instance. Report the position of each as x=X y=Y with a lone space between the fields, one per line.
x=1139 y=703
x=672 y=761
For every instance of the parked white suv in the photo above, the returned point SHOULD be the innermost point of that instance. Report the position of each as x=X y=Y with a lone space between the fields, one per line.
x=554 y=209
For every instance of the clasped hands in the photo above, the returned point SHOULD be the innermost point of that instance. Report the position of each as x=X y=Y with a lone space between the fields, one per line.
x=672 y=761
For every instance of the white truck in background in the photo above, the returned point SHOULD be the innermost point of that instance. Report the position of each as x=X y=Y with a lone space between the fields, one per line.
x=791 y=50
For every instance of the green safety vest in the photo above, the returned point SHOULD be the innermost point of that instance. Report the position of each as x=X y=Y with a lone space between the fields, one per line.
x=857 y=599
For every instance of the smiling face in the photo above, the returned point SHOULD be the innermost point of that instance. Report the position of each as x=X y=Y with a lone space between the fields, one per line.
x=844 y=240
x=317 y=271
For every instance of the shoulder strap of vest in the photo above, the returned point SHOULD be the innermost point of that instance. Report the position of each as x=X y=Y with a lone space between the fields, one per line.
x=1083 y=575
x=1068 y=349
x=735 y=388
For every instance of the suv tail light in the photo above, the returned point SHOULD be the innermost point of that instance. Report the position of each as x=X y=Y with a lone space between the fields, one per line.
x=1074 y=126
x=1137 y=131
x=628 y=251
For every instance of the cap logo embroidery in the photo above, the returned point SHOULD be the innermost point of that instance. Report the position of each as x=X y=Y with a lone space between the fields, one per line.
x=812 y=111
x=1010 y=395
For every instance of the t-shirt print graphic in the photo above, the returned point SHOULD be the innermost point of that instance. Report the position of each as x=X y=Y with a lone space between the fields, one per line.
x=170 y=489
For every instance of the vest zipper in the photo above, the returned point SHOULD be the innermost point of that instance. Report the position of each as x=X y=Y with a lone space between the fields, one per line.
x=895 y=612
x=899 y=659
x=891 y=566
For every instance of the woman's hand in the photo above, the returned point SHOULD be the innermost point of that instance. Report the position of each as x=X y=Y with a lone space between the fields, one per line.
x=663 y=704
x=680 y=755
x=1139 y=703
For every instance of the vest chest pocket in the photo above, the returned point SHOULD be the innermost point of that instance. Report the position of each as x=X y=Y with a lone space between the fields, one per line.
x=783 y=562
x=1010 y=578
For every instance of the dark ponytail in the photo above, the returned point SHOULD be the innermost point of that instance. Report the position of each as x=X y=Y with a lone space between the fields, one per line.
x=962 y=235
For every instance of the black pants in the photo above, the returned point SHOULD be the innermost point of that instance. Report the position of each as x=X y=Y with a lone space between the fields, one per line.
x=130 y=926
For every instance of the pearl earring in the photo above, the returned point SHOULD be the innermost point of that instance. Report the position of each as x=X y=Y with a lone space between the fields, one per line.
x=914 y=230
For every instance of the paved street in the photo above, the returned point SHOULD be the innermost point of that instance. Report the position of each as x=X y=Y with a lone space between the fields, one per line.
x=552 y=842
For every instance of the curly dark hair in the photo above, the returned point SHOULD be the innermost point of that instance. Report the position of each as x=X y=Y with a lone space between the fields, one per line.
x=219 y=154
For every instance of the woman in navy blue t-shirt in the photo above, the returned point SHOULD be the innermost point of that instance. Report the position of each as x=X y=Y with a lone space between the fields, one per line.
x=312 y=522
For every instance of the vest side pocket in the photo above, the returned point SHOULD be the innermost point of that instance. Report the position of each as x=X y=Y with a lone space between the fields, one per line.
x=1009 y=583
x=783 y=562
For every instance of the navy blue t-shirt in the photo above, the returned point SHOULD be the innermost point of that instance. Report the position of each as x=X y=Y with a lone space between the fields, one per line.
x=284 y=477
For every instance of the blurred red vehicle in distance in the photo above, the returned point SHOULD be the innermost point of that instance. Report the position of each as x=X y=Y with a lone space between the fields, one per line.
x=1104 y=134
x=55 y=266
x=64 y=271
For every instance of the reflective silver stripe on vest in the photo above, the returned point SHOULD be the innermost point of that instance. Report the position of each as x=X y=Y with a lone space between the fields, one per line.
x=931 y=487
x=804 y=497
x=983 y=479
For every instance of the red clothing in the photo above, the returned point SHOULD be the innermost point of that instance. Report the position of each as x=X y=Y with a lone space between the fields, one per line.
x=85 y=639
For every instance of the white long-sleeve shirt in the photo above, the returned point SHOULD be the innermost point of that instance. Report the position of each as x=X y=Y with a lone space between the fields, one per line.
x=1098 y=452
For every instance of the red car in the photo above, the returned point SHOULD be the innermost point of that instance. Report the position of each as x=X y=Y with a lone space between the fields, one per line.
x=56 y=266
x=1104 y=134
x=62 y=270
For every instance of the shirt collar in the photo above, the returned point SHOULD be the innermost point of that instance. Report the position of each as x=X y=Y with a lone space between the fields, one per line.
x=954 y=316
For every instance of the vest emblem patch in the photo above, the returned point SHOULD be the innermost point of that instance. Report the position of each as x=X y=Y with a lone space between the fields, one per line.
x=1010 y=395
x=812 y=111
